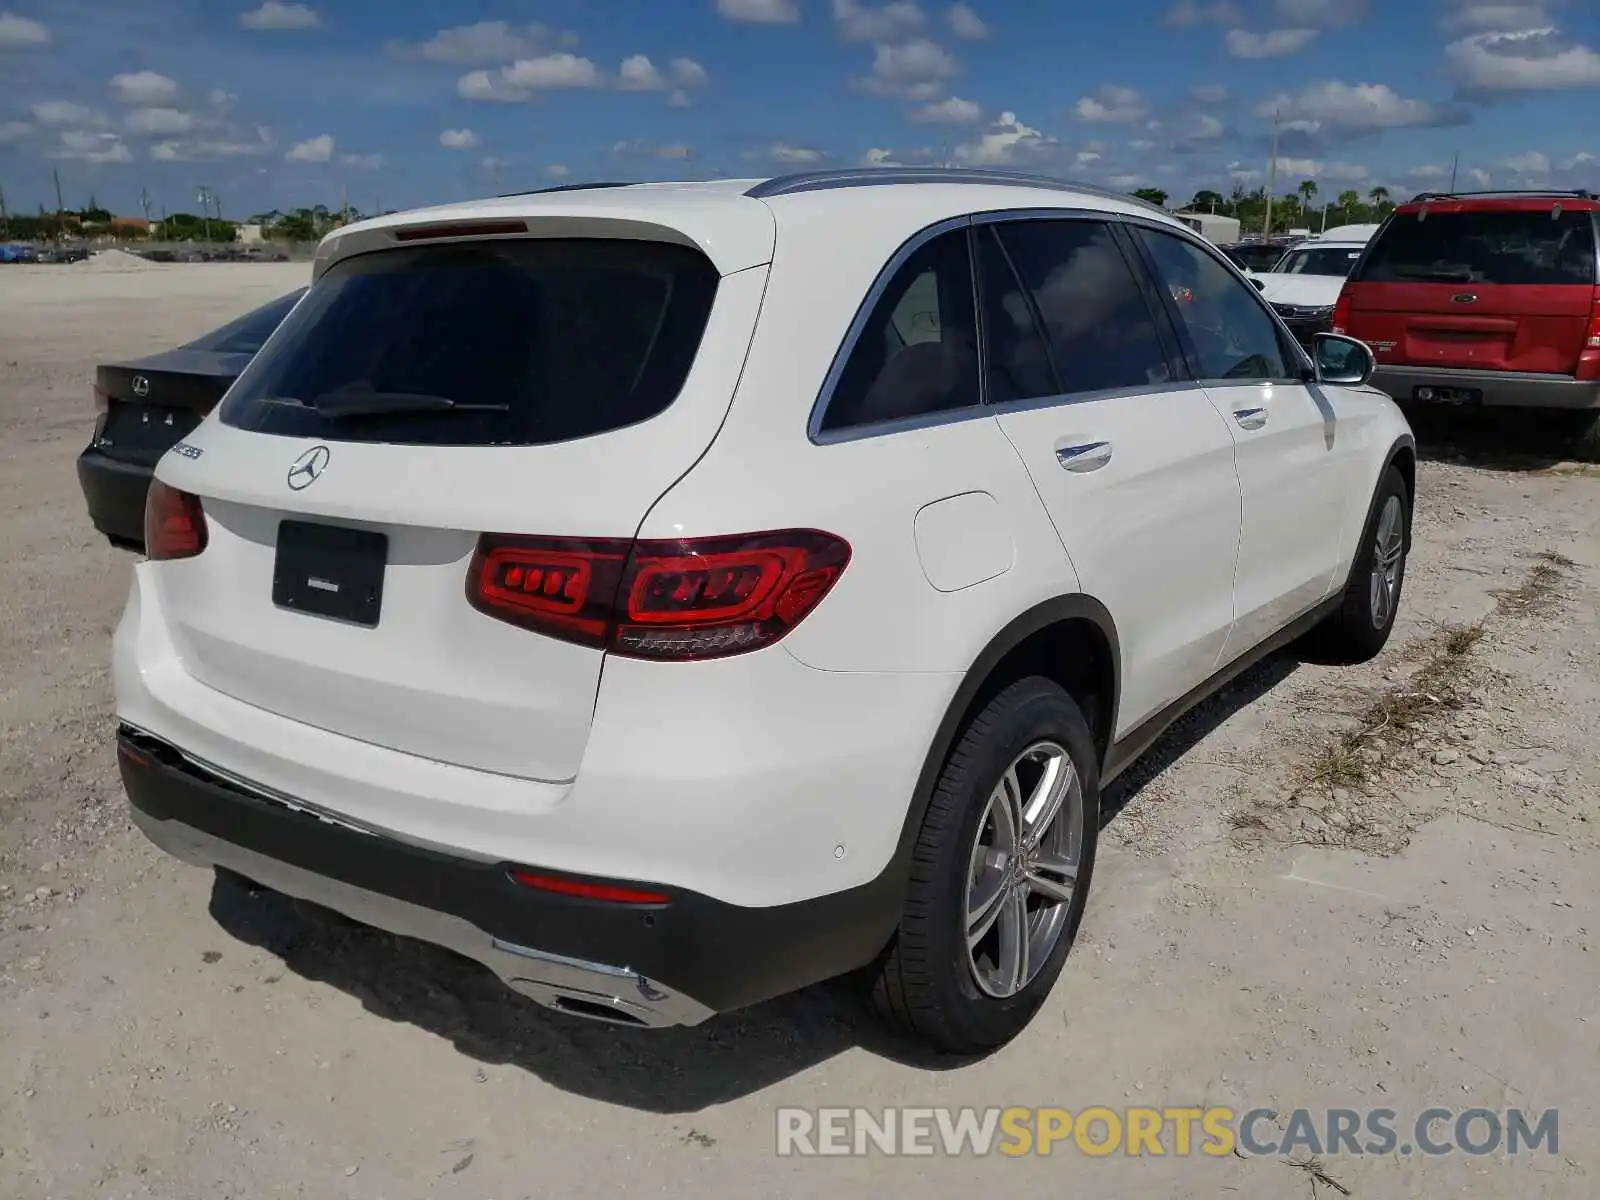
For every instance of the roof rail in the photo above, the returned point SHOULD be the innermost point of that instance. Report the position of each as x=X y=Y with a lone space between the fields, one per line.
x=1579 y=193
x=569 y=187
x=821 y=181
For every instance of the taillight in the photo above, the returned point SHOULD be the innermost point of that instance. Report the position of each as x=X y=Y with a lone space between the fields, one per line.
x=174 y=524
x=1341 y=311
x=682 y=599
x=611 y=893
x=1589 y=359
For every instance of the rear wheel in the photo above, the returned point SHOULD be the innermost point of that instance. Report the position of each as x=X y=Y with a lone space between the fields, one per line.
x=999 y=876
x=1585 y=442
x=1361 y=625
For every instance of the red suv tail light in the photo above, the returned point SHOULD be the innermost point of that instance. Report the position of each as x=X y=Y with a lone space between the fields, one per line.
x=674 y=599
x=1589 y=358
x=174 y=523
x=1341 y=311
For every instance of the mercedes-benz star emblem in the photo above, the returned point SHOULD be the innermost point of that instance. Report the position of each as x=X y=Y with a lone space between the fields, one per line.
x=141 y=386
x=308 y=468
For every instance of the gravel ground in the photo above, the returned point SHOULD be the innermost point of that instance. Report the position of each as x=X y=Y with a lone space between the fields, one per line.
x=1357 y=888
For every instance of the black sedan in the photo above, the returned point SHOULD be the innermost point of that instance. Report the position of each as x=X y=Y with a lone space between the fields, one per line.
x=146 y=406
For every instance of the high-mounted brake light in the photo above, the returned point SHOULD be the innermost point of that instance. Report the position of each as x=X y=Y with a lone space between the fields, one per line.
x=458 y=229
x=672 y=599
x=174 y=523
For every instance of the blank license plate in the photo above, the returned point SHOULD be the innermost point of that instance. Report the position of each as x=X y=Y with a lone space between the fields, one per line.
x=1447 y=395
x=329 y=571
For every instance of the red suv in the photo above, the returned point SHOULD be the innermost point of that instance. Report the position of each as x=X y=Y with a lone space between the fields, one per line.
x=1488 y=298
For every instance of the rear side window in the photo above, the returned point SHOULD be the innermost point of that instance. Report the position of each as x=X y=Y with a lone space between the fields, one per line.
x=1100 y=332
x=519 y=342
x=917 y=352
x=1319 y=260
x=247 y=334
x=1484 y=247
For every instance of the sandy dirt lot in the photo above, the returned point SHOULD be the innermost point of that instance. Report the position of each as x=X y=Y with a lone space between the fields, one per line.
x=1363 y=888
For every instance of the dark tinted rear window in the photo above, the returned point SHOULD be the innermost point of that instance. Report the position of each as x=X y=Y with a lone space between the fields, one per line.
x=246 y=334
x=1484 y=247
x=533 y=341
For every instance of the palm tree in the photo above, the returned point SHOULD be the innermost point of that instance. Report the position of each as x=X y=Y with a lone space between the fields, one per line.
x=1380 y=197
x=1308 y=192
x=1348 y=202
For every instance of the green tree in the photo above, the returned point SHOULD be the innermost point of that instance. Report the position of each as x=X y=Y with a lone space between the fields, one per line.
x=1152 y=196
x=1349 y=205
x=1205 y=200
x=1379 y=197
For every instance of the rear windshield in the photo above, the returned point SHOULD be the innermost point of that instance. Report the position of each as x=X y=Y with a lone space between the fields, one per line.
x=246 y=334
x=1321 y=260
x=1484 y=247
x=511 y=343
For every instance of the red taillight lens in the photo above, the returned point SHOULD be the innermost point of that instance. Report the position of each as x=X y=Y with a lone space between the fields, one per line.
x=174 y=524
x=609 y=892
x=687 y=599
x=1589 y=359
x=1341 y=311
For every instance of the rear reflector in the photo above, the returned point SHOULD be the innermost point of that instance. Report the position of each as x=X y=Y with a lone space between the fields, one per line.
x=609 y=892
x=174 y=523
x=673 y=599
x=459 y=229
x=1341 y=312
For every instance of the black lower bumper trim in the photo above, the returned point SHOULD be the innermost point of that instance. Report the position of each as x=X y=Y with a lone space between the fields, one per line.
x=724 y=956
x=115 y=493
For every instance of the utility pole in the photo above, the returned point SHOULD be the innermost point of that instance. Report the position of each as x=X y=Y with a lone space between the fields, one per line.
x=60 y=207
x=205 y=210
x=1272 y=176
x=5 y=220
x=1453 y=167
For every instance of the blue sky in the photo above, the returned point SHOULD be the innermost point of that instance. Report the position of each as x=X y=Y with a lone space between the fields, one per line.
x=281 y=104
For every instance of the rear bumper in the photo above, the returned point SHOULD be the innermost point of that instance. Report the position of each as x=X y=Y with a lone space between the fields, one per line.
x=1498 y=389
x=666 y=964
x=114 y=492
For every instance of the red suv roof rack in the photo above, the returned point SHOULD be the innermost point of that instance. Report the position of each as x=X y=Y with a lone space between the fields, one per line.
x=1579 y=193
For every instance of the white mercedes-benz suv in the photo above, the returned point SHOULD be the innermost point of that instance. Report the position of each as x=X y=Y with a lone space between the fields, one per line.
x=673 y=595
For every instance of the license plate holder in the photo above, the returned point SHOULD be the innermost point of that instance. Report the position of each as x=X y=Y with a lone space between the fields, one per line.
x=1431 y=394
x=330 y=571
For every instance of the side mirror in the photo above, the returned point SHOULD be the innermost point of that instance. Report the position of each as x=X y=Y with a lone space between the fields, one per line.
x=1261 y=284
x=1342 y=360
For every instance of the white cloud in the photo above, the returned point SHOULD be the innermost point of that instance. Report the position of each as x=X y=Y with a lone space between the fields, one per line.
x=1187 y=13
x=1350 y=108
x=1126 y=181
x=760 y=12
x=1206 y=128
x=527 y=76
x=160 y=121
x=1008 y=140
x=1273 y=44
x=1086 y=158
x=493 y=165
x=687 y=73
x=916 y=70
x=557 y=171
x=1322 y=171
x=1497 y=14
x=221 y=99
x=783 y=152
x=678 y=98
x=1581 y=159
x=313 y=150
x=276 y=15
x=1525 y=60
x=144 y=87
x=458 y=139
x=17 y=33
x=362 y=162
x=14 y=131
x=951 y=111
x=1529 y=163
x=65 y=112
x=211 y=149
x=481 y=42
x=85 y=146
x=1118 y=105
x=1323 y=12
x=639 y=74
x=965 y=23
x=857 y=22
x=1209 y=93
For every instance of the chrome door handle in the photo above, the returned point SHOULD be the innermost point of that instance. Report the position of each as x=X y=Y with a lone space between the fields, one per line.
x=1090 y=456
x=1250 y=418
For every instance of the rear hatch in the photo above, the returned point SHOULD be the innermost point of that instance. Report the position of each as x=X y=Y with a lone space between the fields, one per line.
x=1505 y=285
x=148 y=405
x=419 y=396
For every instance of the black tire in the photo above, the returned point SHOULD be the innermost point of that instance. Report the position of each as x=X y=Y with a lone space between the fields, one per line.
x=925 y=984
x=1354 y=632
x=1585 y=443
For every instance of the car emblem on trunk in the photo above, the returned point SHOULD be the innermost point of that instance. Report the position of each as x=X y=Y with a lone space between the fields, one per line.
x=1464 y=298
x=141 y=386
x=308 y=468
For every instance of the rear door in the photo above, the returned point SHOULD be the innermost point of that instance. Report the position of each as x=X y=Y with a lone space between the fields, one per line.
x=1133 y=462
x=416 y=398
x=1462 y=285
